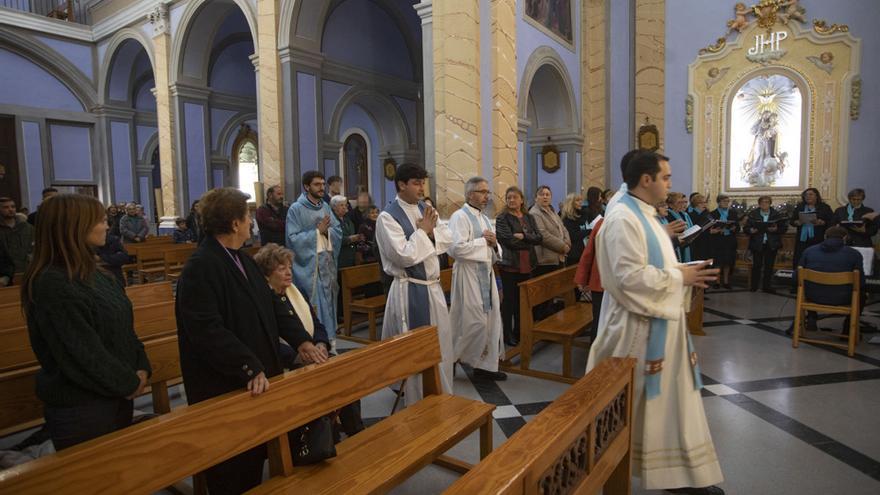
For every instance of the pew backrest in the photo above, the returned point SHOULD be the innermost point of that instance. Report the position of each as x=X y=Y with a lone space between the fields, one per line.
x=579 y=443
x=153 y=320
x=144 y=294
x=558 y=283
x=359 y=275
x=11 y=316
x=10 y=295
x=192 y=439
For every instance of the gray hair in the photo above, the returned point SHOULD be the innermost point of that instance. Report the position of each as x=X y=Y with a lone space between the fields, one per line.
x=472 y=184
x=337 y=200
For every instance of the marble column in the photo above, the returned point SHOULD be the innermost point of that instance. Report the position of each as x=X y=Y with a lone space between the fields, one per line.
x=593 y=92
x=164 y=115
x=504 y=98
x=269 y=93
x=456 y=65
x=650 y=60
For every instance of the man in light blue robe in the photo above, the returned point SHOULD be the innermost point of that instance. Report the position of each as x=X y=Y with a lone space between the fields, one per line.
x=315 y=237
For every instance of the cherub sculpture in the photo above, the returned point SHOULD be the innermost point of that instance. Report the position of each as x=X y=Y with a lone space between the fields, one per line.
x=739 y=22
x=793 y=11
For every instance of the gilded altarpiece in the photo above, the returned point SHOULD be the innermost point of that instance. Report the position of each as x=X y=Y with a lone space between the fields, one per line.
x=807 y=72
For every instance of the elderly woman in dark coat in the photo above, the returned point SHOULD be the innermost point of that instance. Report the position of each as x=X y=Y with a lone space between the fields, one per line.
x=229 y=325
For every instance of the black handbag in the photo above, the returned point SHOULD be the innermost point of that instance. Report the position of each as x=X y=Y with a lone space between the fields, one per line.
x=312 y=443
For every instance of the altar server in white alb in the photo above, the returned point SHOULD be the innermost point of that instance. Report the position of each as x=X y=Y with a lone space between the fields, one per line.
x=409 y=241
x=475 y=312
x=647 y=293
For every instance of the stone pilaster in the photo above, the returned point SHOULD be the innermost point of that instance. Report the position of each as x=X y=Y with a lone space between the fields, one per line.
x=164 y=115
x=269 y=93
x=456 y=63
x=594 y=64
x=650 y=60
x=504 y=98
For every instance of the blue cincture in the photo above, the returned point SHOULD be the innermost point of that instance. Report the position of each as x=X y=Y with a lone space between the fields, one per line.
x=807 y=231
x=484 y=272
x=418 y=299
x=657 y=336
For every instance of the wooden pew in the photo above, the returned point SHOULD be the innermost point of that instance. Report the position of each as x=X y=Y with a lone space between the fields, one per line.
x=579 y=444
x=10 y=295
x=189 y=438
x=562 y=327
x=354 y=277
x=175 y=259
x=150 y=321
x=143 y=294
x=12 y=316
x=20 y=409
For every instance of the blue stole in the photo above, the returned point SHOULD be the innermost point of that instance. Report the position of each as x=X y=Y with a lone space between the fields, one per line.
x=850 y=211
x=723 y=215
x=483 y=270
x=418 y=299
x=807 y=231
x=656 y=351
x=684 y=254
x=766 y=218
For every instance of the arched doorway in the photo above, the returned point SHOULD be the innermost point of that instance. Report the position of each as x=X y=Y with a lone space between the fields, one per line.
x=245 y=161
x=355 y=162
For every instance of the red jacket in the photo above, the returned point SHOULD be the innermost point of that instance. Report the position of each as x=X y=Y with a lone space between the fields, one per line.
x=588 y=270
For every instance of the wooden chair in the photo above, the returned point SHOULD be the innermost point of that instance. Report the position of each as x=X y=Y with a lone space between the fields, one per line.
x=562 y=327
x=354 y=277
x=374 y=460
x=174 y=261
x=802 y=305
x=579 y=444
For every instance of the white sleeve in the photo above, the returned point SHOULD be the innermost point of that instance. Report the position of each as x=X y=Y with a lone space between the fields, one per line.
x=394 y=246
x=464 y=245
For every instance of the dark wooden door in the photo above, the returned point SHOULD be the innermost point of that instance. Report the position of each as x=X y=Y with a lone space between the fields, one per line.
x=10 y=185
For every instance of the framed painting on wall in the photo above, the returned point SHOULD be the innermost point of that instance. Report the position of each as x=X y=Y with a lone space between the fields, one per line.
x=553 y=17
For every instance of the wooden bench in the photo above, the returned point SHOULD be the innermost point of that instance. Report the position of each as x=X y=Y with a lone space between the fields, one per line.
x=143 y=294
x=579 y=444
x=10 y=295
x=189 y=438
x=562 y=327
x=12 y=316
x=20 y=409
x=174 y=260
x=354 y=277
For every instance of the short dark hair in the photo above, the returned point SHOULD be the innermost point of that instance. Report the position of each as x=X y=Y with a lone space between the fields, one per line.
x=693 y=194
x=408 y=171
x=6 y=199
x=835 y=232
x=815 y=191
x=271 y=190
x=641 y=163
x=721 y=197
x=371 y=208
x=768 y=198
x=333 y=179
x=49 y=190
x=309 y=176
x=220 y=207
x=626 y=158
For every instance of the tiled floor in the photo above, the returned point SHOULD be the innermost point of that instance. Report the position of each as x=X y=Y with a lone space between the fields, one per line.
x=785 y=421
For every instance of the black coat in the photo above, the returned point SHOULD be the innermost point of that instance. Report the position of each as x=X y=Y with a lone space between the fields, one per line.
x=578 y=234
x=823 y=212
x=756 y=221
x=505 y=226
x=860 y=239
x=226 y=324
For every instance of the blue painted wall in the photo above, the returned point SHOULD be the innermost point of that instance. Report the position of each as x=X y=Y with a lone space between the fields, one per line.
x=362 y=34
x=196 y=161
x=307 y=121
x=123 y=166
x=24 y=83
x=144 y=133
x=233 y=71
x=78 y=54
x=33 y=161
x=331 y=93
x=71 y=147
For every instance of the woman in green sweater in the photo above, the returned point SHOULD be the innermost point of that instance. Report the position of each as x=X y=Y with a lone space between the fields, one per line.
x=80 y=325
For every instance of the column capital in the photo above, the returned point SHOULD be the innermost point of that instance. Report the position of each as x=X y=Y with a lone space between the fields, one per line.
x=255 y=59
x=425 y=10
x=158 y=17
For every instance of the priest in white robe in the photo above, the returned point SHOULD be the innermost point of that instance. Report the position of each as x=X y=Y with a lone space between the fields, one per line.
x=410 y=241
x=647 y=293
x=475 y=312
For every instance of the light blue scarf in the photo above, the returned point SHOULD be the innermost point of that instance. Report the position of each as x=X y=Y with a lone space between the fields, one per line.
x=850 y=211
x=723 y=215
x=766 y=217
x=684 y=253
x=656 y=351
x=807 y=231
x=484 y=270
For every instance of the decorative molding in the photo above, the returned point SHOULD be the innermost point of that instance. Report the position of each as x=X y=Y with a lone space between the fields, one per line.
x=116 y=41
x=45 y=25
x=158 y=17
x=855 y=98
x=353 y=76
x=125 y=17
x=822 y=27
x=717 y=47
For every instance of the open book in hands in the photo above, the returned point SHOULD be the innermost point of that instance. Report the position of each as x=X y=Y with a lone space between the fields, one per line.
x=695 y=231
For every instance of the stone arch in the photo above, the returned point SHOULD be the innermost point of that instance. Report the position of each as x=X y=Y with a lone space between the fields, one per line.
x=191 y=21
x=228 y=133
x=118 y=39
x=49 y=60
x=546 y=69
x=150 y=147
x=386 y=115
